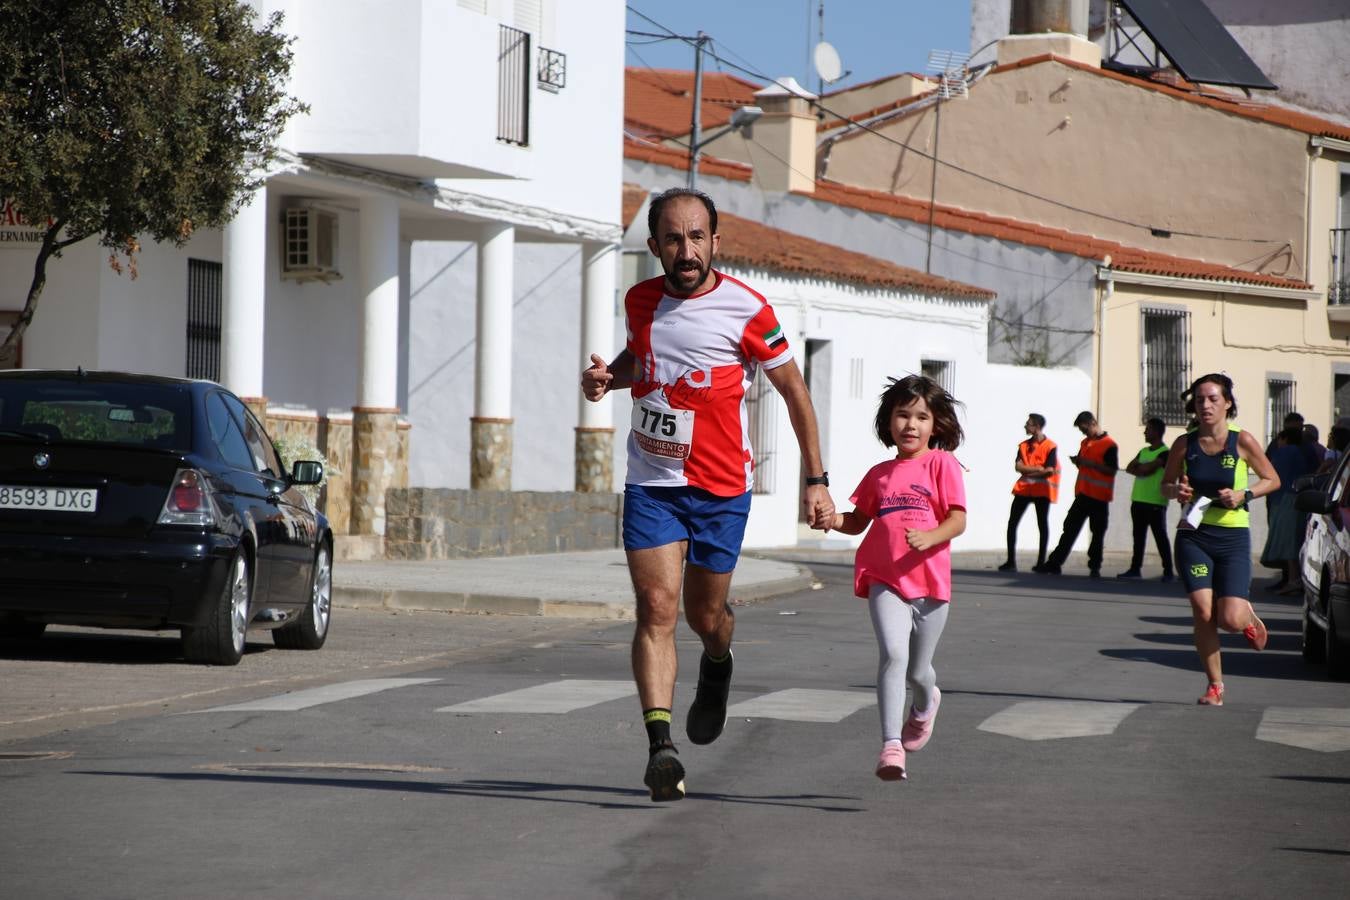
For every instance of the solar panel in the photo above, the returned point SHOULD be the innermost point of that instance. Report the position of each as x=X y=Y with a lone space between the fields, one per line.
x=1197 y=43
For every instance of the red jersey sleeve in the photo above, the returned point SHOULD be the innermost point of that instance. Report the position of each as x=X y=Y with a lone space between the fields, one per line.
x=764 y=340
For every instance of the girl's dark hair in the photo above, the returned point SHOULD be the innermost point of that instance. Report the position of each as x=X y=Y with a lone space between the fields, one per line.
x=1225 y=385
x=947 y=433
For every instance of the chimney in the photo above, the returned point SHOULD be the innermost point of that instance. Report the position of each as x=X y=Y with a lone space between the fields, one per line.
x=787 y=132
x=1038 y=27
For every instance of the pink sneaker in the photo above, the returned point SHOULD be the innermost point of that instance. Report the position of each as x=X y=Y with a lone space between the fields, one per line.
x=917 y=731
x=1213 y=695
x=891 y=765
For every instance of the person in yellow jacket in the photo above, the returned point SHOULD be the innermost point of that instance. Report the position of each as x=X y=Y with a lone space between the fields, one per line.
x=1148 y=507
x=1037 y=485
x=1098 y=460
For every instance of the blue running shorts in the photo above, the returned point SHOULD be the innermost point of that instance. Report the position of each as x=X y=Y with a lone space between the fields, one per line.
x=1215 y=557
x=714 y=526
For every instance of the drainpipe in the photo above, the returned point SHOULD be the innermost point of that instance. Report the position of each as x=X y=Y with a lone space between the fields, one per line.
x=1105 y=288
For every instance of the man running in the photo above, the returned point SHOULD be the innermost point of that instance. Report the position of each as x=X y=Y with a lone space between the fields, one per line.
x=695 y=338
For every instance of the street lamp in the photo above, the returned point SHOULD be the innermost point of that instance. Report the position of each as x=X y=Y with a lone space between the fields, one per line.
x=741 y=118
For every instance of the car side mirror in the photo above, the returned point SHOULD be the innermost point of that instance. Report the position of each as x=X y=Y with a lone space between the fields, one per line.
x=307 y=471
x=1313 y=502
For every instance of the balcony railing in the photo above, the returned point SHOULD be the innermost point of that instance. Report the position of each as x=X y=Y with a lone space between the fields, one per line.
x=513 y=86
x=1338 y=290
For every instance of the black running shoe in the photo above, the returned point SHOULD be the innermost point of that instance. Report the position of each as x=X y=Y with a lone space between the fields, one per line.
x=708 y=713
x=665 y=774
x=1009 y=566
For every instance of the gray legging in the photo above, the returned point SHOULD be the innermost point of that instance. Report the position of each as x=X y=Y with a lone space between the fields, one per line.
x=907 y=635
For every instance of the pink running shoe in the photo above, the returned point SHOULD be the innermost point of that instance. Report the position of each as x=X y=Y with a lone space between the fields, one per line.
x=917 y=731
x=1256 y=634
x=891 y=765
x=1213 y=695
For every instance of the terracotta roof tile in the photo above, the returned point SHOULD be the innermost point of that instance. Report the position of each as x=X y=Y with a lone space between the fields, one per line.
x=748 y=243
x=1130 y=259
x=659 y=103
x=679 y=159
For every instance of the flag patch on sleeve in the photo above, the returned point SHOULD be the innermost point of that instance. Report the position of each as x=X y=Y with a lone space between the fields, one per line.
x=775 y=338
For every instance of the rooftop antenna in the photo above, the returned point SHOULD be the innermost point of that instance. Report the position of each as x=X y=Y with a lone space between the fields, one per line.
x=952 y=71
x=829 y=68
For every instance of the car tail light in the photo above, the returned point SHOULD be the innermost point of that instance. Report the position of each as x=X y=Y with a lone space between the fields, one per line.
x=189 y=501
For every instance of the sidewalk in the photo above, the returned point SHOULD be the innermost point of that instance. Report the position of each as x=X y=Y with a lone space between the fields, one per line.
x=592 y=584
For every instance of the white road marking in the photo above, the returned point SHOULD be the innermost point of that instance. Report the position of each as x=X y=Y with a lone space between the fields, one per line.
x=1326 y=730
x=554 y=697
x=1041 y=720
x=804 y=705
x=314 y=696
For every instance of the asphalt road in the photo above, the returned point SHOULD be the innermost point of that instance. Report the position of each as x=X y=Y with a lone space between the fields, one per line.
x=434 y=755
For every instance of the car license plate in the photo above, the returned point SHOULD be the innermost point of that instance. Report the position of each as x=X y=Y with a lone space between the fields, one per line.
x=55 y=499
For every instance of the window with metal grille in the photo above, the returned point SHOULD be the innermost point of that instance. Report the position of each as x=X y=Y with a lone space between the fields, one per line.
x=552 y=70
x=513 y=86
x=762 y=412
x=1166 y=362
x=1338 y=291
x=1280 y=402
x=203 y=319
x=940 y=370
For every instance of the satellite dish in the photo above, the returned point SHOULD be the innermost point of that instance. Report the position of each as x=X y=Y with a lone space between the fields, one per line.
x=828 y=65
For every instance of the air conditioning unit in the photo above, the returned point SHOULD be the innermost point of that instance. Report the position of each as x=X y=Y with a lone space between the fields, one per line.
x=309 y=244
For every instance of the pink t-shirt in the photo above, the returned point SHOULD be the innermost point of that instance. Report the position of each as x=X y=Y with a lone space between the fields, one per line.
x=897 y=495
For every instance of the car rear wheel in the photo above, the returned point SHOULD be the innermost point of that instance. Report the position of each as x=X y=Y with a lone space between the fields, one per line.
x=1338 y=660
x=220 y=642
x=1314 y=642
x=21 y=631
x=311 y=630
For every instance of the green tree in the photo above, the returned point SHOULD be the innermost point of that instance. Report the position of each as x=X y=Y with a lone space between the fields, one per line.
x=129 y=118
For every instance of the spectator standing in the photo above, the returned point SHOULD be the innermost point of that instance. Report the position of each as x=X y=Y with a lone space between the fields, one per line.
x=1098 y=460
x=1148 y=507
x=1284 y=536
x=1037 y=465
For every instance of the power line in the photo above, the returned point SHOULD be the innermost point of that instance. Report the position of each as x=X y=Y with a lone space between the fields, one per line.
x=985 y=178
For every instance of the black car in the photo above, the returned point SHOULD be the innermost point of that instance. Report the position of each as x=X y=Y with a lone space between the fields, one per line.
x=138 y=501
x=1324 y=563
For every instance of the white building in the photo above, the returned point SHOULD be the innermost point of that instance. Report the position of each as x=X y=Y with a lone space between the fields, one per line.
x=459 y=162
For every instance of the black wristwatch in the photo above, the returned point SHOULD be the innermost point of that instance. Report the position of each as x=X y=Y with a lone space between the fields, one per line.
x=1247 y=497
x=822 y=479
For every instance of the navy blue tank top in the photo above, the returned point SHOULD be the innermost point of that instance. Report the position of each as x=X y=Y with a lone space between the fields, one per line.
x=1210 y=474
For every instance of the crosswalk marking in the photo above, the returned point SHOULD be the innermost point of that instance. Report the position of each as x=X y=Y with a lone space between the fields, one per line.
x=554 y=697
x=1040 y=720
x=1321 y=729
x=803 y=705
x=314 y=696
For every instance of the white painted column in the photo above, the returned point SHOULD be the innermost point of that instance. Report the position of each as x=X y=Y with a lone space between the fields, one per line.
x=598 y=277
x=378 y=371
x=243 y=305
x=491 y=427
x=594 y=445
x=496 y=290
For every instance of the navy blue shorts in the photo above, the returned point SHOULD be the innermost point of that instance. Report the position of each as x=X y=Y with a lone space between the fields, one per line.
x=714 y=526
x=1216 y=558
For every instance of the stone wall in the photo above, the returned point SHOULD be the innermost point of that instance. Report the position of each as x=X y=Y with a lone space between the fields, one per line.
x=444 y=523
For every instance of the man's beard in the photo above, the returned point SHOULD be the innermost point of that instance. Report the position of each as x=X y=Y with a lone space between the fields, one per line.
x=676 y=274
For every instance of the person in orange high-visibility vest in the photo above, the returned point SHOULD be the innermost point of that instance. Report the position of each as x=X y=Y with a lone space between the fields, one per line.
x=1037 y=485
x=1098 y=460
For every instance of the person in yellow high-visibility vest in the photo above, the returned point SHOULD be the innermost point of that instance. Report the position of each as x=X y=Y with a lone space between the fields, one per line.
x=1148 y=507
x=1098 y=460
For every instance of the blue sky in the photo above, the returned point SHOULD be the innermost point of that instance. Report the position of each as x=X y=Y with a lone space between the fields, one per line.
x=873 y=37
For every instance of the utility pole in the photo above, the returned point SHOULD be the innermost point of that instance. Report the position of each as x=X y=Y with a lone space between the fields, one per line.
x=696 y=126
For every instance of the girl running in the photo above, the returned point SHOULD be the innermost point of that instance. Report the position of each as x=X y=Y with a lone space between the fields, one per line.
x=915 y=503
x=1207 y=472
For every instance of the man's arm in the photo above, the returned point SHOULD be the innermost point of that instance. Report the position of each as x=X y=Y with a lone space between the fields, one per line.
x=787 y=380
x=600 y=378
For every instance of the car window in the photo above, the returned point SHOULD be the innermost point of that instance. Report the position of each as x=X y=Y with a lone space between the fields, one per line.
x=262 y=457
x=99 y=411
x=225 y=433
